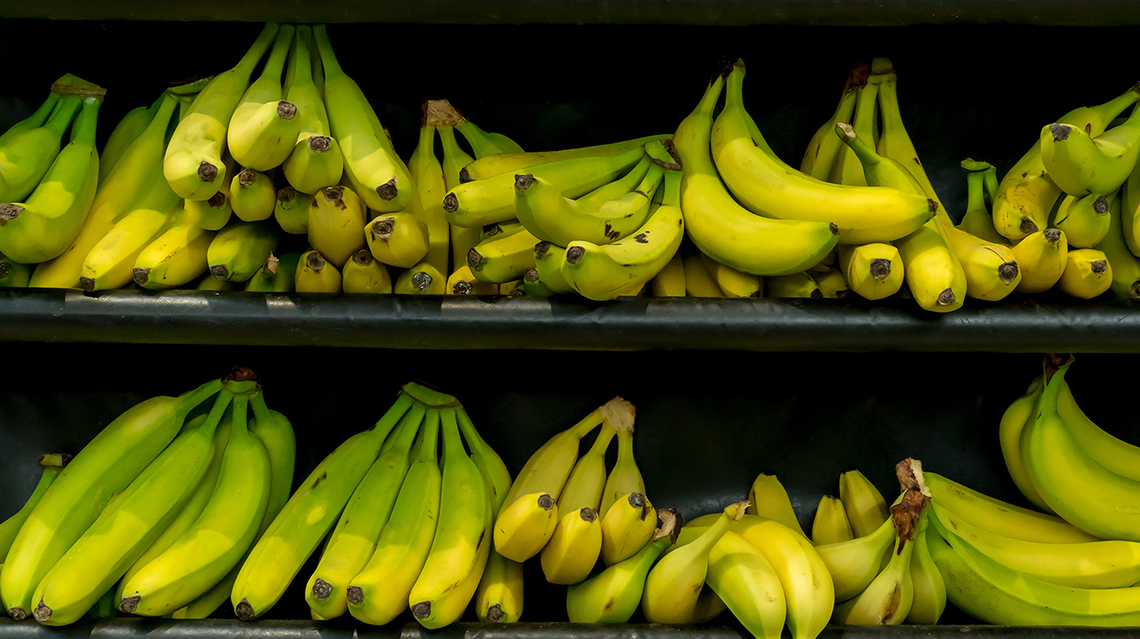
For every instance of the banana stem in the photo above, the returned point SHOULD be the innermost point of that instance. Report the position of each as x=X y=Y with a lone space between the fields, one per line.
x=324 y=47
x=302 y=66
x=62 y=116
x=274 y=66
x=191 y=399
x=248 y=62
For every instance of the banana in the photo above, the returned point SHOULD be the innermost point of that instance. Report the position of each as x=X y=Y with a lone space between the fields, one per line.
x=1041 y=258
x=768 y=498
x=1087 y=274
x=548 y=261
x=459 y=551
x=830 y=524
x=767 y=186
x=90 y=566
x=978 y=220
x=847 y=167
x=364 y=274
x=627 y=528
x=193 y=160
x=379 y=592
x=45 y=224
x=993 y=593
x=454 y=159
x=14 y=275
x=240 y=249
x=998 y=516
x=791 y=286
x=420 y=279
x=218 y=539
x=929 y=600
x=427 y=176
x=854 y=563
x=1092 y=564
x=105 y=466
x=865 y=506
x=1082 y=164
x=746 y=582
x=463 y=282
x=485 y=143
x=670 y=280
x=371 y=165
x=27 y=156
x=587 y=481
x=214 y=212
x=492 y=199
x=698 y=281
x=824 y=146
x=353 y=541
x=36 y=119
x=291 y=210
x=625 y=477
x=991 y=269
x=1027 y=193
x=211 y=283
x=126 y=131
x=934 y=275
x=874 y=271
x=399 y=239
x=1115 y=245
x=573 y=548
x=175 y=258
x=264 y=126
x=1084 y=220
x=1016 y=416
x=503 y=257
x=672 y=585
x=887 y=600
x=316 y=275
x=490 y=165
x=894 y=141
x=832 y=283
x=336 y=226
x=253 y=195
x=307 y=517
x=277 y=275
x=724 y=230
x=316 y=160
x=731 y=282
x=499 y=598
x=524 y=525
x=50 y=467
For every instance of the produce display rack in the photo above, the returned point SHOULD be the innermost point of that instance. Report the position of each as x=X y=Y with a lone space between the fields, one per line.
x=806 y=389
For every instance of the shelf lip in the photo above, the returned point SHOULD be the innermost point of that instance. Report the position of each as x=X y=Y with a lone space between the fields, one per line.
x=628 y=324
x=681 y=12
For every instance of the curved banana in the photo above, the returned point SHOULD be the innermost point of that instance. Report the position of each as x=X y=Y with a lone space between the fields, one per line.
x=399 y=239
x=724 y=230
x=929 y=601
x=524 y=526
x=573 y=548
x=371 y=165
x=264 y=126
x=823 y=145
x=847 y=167
x=670 y=280
x=613 y=595
x=830 y=524
x=253 y=196
x=379 y=592
x=499 y=597
x=463 y=282
x=874 y=271
x=175 y=258
x=768 y=498
x=746 y=582
x=853 y=564
x=336 y=226
x=627 y=527
x=1041 y=258
x=485 y=143
x=110 y=263
x=767 y=186
x=454 y=159
x=126 y=131
x=1080 y=163
x=1084 y=220
x=1017 y=415
x=50 y=467
x=1026 y=193
x=978 y=220
x=894 y=141
x=307 y=517
x=587 y=481
x=316 y=275
x=27 y=156
x=1116 y=243
x=998 y=516
x=1087 y=274
x=734 y=283
x=489 y=164
x=240 y=249
x=991 y=270
x=291 y=210
x=365 y=274
x=625 y=477
x=865 y=506
x=548 y=261
x=46 y=223
x=218 y=538
x=353 y=540
x=316 y=160
x=427 y=176
x=90 y=567
x=193 y=163
x=214 y=212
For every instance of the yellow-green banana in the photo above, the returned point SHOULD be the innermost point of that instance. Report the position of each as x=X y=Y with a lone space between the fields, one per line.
x=316 y=160
x=238 y=251
x=1081 y=163
x=264 y=127
x=420 y=279
x=277 y=275
x=175 y=258
x=865 y=506
x=291 y=210
x=627 y=527
x=399 y=239
x=253 y=196
x=50 y=467
x=1084 y=220
x=26 y=157
x=747 y=583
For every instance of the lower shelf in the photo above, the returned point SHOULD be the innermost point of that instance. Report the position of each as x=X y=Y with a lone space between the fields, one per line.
x=273 y=629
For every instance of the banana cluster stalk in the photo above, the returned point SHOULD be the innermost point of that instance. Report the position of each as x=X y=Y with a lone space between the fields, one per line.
x=159 y=504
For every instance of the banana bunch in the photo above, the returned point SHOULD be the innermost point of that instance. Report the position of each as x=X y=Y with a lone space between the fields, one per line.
x=155 y=511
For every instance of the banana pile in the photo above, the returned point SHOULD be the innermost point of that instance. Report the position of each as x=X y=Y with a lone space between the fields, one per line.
x=155 y=515
x=405 y=525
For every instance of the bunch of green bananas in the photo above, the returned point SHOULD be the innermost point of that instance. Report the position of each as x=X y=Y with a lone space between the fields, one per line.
x=405 y=527
x=155 y=514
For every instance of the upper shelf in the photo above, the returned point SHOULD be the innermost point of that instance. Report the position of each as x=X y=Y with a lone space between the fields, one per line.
x=688 y=12
x=460 y=323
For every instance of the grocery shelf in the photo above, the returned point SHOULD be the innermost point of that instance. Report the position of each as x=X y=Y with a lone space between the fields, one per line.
x=691 y=12
x=447 y=322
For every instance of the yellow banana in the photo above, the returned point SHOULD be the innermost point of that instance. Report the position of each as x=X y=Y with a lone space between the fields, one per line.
x=110 y=264
x=525 y=525
x=316 y=275
x=364 y=274
x=768 y=498
x=264 y=126
x=1087 y=274
x=400 y=239
x=175 y=258
x=865 y=506
x=824 y=146
x=929 y=601
x=1084 y=220
x=1041 y=258
x=240 y=249
x=573 y=548
x=874 y=271
x=854 y=563
x=830 y=524
x=336 y=226
x=1116 y=244
x=316 y=160
x=670 y=280
x=420 y=279
x=427 y=176
x=747 y=583
x=627 y=527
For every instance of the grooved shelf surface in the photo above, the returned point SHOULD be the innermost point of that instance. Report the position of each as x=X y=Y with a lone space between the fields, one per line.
x=691 y=12
x=445 y=322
